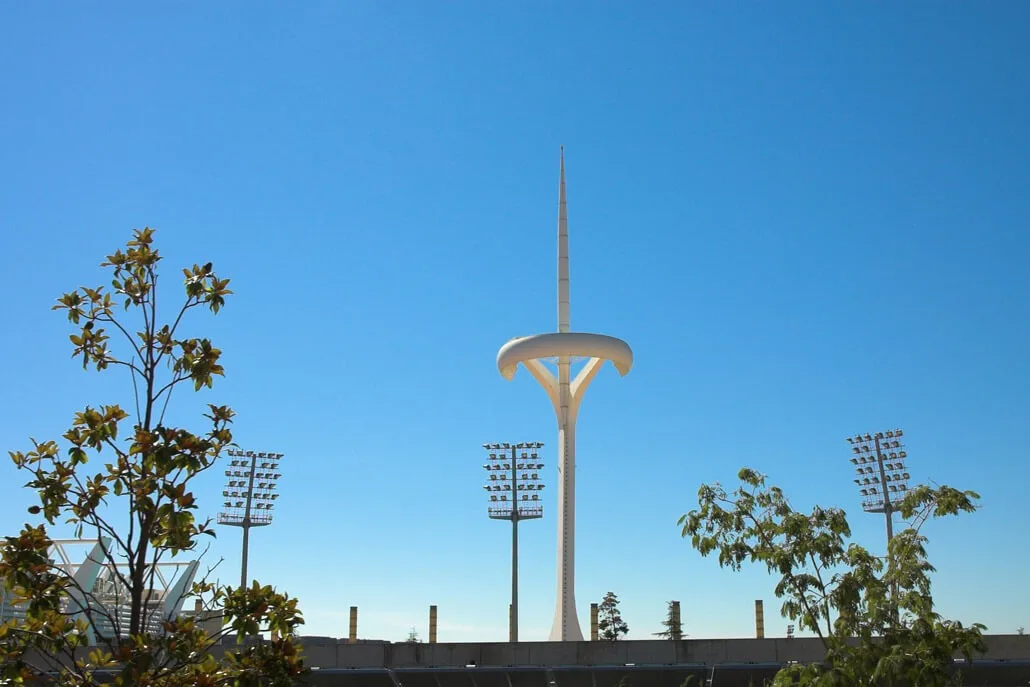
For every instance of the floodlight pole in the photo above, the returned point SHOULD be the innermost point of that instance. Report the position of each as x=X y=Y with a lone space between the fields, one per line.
x=252 y=509
x=246 y=521
x=888 y=508
x=888 y=513
x=514 y=550
x=532 y=513
x=888 y=477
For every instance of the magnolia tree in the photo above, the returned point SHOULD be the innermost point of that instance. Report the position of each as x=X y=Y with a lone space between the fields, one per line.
x=126 y=479
x=875 y=617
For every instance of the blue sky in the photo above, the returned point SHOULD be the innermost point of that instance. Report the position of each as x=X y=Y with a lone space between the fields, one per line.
x=807 y=219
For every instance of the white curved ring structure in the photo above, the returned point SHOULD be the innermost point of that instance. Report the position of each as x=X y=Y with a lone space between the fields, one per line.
x=564 y=344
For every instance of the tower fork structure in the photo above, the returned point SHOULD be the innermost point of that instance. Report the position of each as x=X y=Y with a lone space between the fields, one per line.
x=566 y=394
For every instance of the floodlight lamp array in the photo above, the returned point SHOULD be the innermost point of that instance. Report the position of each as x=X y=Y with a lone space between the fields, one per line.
x=252 y=479
x=507 y=446
x=514 y=482
x=881 y=474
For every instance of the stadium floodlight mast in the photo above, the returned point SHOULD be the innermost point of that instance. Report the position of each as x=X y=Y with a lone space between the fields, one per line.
x=882 y=476
x=250 y=494
x=566 y=394
x=513 y=472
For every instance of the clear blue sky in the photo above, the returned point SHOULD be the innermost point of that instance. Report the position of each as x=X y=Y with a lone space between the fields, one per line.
x=808 y=220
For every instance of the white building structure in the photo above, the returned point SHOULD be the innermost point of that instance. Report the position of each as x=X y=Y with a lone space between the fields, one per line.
x=566 y=393
x=98 y=594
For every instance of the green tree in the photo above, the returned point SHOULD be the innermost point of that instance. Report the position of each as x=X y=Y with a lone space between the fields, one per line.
x=136 y=494
x=672 y=623
x=836 y=588
x=609 y=618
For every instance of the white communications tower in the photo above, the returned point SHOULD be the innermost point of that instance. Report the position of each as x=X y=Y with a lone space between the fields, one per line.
x=566 y=394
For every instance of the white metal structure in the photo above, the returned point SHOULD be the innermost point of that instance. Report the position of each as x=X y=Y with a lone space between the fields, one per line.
x=566 y=394
x=97 y=591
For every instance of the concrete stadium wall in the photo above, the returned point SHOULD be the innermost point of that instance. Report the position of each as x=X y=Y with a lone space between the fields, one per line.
x=1013 y=674
x=326 y=652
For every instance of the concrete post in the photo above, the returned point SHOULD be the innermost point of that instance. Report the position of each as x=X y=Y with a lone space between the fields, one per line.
x=759 y=619
x=432 y=624
x=353 y=624
x=676 y=615
x=593 y=622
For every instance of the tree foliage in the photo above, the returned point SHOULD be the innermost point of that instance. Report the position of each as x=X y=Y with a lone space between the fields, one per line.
x=127 y=480
x=673 y=624
x=609 y=619
x=876 y=619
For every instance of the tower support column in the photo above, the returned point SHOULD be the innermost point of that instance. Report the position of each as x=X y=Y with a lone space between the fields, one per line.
x=566 y=621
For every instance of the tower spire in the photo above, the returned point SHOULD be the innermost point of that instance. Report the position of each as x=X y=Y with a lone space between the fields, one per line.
x=563 y=249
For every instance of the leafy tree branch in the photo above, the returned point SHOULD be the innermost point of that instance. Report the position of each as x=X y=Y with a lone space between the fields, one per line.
x=836 y=588
x=111 y=462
